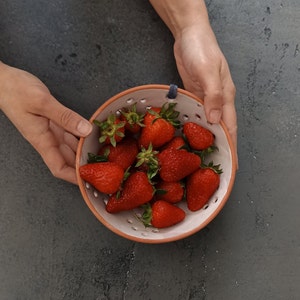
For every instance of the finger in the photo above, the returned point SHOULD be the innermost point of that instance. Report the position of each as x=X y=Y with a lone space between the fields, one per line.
x=66 y=118
x=58 y=166
x=64 y=137
x=57 y=131
x=213 y=95
x=68 y=154
x=229 y=116
x=48 y=147
x=71 y=141
x=207 y=84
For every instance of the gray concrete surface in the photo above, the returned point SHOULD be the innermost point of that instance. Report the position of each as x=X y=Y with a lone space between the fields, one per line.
x=52 y=247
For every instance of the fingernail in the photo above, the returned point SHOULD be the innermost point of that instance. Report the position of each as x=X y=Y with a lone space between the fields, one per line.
x=215 y=116
x=84 y=127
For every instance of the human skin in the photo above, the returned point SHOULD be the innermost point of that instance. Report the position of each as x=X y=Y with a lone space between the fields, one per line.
x=200 y=61
x=53 y=129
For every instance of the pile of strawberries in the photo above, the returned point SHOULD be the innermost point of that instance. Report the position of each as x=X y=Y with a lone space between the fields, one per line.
x=151 y=160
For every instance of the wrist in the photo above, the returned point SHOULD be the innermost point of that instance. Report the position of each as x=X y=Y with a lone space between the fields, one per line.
x=180 y=15
x=2 y=71
x=6 y=82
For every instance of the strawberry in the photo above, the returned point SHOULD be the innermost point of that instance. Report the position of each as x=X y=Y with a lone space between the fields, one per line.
x=177 y=142
x=137 y=190
x=111 y=130
x=162 y=214
x=175 y=164
x=160 y=124
x=171 y=192
x=124 y=153
x=133 y=119
x=201 y=185
x=198 y=137
x=106 y=177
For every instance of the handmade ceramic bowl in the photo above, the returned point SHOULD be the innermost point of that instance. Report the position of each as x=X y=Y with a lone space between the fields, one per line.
x=126 y=224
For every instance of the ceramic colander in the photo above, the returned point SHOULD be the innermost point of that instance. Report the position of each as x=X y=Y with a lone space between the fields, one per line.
x=126 y=224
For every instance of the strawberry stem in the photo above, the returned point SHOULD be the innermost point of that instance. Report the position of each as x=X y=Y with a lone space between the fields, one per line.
x=147 y=215
x=212 y=166
x=148 y=157
x=110 y=128
x=168 y=113
x=132 y=116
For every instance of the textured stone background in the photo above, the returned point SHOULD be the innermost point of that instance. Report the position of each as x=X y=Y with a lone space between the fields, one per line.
x=52 y=247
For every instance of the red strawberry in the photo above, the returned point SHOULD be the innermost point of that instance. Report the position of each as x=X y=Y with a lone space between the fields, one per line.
x=137 y=191
x=171 y=192
x=133 y=119
x=200 y=186
x=106 y=177
x=177 y=164
x=160 y=124
x=123 y=154
x=198 y=137
x=177 y=142
x=111 y=130
x=164 y=214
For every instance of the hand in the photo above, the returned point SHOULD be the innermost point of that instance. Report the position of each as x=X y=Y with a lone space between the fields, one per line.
x=47 y=125
x=205 y=72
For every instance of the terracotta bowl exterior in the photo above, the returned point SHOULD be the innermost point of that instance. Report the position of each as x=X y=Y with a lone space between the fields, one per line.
x=126 y=224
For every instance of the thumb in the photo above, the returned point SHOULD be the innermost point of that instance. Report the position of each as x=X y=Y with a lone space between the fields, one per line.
x=67 y=119
x=213 y=106
x=212 y=93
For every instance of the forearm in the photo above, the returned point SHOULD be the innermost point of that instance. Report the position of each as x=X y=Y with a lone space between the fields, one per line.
x=2 y=73
x=178 y=15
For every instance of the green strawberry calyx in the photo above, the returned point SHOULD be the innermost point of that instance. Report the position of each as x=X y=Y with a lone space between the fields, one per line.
x=216 y=168
x=146 y=216
x=167 y=113
x=132 y=116
x=148 y=158
x=93 y=158
x=110 y=128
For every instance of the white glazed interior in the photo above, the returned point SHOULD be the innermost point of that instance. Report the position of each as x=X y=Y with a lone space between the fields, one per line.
x=126 y=224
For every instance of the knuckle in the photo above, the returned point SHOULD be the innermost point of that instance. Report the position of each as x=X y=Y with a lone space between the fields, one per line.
x=232 y=90
x=38 y=98
x=56 y=172
x=216 y=94
x=66 y=117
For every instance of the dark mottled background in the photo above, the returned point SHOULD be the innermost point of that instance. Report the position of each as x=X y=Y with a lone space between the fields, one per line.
x=52 y=247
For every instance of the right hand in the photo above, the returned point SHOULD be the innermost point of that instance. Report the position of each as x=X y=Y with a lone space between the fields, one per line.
x=205 y=72
x=51 y=128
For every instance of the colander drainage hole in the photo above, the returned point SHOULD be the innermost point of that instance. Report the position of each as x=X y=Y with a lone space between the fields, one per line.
x=198 y=116
x=185 y=117
x=143 y=100
x=129 y=101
